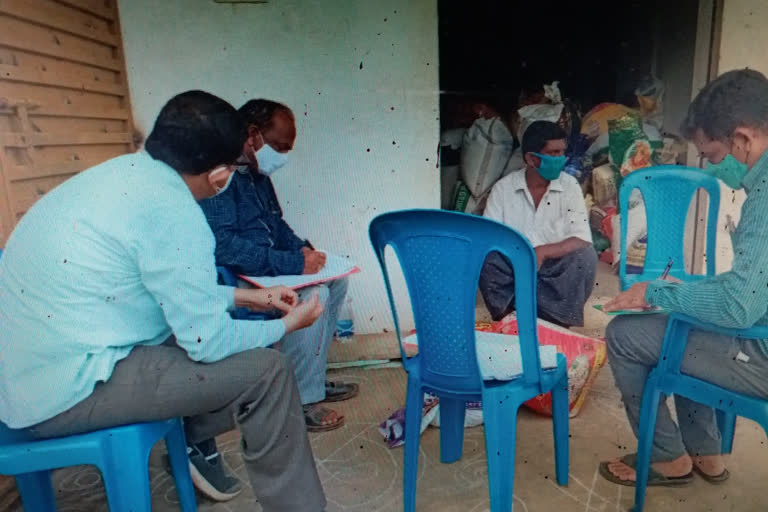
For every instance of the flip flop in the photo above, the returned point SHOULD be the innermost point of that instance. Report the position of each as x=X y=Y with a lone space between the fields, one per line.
x=655 y=479
x=314 y=415
x=339 y=391
x=712 y=479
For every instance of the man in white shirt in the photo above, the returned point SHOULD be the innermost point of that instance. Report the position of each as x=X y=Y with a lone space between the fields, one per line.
x=546 y=206
x=112 y=315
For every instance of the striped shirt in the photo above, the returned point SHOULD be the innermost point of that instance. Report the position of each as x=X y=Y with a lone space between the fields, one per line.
x=738 y=298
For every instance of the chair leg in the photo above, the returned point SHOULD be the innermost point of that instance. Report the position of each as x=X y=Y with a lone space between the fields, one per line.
x=127 y=484
x=452 y=414
x=36 y=490
x=500 y=435
x=727 y=424
x=560 y=427
x=176 y=444
x=646 y=430
x=413 y=408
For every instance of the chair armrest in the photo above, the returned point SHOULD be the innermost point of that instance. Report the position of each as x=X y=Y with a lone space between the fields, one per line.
x=676 y=338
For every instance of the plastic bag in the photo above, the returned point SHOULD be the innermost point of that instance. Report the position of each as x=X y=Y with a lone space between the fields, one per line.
x=473 y=417
x=585 y=356
x=650 y=97
x=461 y=197
x=595 y=122
x=540 y=112
x=604 y=186
x=629 y=148
x=393 y=428
x=636 y=229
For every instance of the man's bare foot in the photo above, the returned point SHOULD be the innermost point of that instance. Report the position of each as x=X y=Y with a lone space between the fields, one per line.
x=711 y=465
x=674 y=468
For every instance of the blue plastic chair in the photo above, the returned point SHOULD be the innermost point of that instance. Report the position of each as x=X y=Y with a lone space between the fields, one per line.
x=121 y=453
x=441 y=254
x=666 y=378
x=667 y=192
x=228 y=278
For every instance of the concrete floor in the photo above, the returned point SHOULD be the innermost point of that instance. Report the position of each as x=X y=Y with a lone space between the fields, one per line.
x=361 y=474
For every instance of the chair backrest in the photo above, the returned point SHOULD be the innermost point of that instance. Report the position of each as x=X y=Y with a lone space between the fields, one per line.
x=667 y=192
x=441 y=254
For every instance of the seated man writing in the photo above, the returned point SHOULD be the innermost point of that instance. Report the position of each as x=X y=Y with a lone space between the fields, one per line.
x=111 y=313
x=548 y=208
x=728 y=123
x=252 y=238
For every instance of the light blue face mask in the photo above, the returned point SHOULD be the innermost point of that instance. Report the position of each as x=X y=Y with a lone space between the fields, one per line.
x=729 y=170
x=270 y=160
x=550 y=166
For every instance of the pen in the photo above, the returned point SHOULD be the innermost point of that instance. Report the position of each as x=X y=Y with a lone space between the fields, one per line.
x=666 y=270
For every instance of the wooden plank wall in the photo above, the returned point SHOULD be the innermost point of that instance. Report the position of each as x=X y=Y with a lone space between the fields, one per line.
x=64 y=102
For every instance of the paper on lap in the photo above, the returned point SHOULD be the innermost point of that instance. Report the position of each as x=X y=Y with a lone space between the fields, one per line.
x=335 y=267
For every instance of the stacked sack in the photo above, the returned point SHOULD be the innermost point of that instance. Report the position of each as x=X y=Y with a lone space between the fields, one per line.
x=621 y=142
x=486 y=152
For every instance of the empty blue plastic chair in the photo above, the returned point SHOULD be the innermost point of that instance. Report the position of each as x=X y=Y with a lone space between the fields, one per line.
x=121 y=453
x=666 y=378
x=667 y=193
x=441 y=254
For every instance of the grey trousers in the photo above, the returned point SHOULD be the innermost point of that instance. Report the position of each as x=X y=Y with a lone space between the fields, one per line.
x=563 y=286
x=308 y=348
x=255 y=389
x=634 y=345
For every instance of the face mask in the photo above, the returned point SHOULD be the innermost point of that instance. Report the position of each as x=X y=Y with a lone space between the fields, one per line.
x=217 y=185
x=550 y=166
x=729 y=170
x=270 y=160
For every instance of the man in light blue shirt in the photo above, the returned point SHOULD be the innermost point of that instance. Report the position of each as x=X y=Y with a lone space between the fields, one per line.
x=112 y=314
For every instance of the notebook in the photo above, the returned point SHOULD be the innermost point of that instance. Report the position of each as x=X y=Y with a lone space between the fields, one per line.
x=335 y=267
x=650 y=311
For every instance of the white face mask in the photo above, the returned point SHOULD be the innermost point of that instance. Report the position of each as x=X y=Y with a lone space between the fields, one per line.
x=270 y=160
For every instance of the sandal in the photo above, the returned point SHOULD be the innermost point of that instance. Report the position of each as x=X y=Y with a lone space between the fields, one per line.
x=339 y=391
x=315 y=416
x=712 y=479
x=655 y=479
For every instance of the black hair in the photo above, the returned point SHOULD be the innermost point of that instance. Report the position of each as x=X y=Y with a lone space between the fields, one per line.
x=538 y=134
x=260 y=112
x=195 y=132
x=736 y=98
